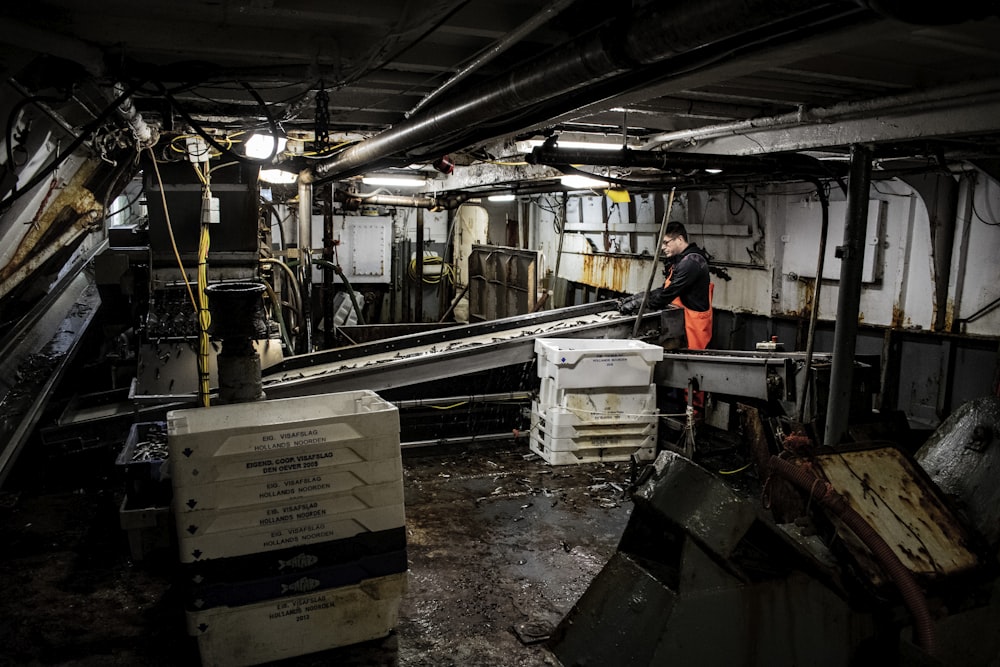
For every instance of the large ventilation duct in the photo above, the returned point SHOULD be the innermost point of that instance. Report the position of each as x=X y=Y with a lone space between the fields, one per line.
x=649 y=37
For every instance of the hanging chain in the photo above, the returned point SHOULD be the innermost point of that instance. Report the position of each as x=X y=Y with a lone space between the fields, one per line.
x=322 y=129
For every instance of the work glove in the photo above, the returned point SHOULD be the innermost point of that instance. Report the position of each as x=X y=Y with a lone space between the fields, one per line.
x=630 y=305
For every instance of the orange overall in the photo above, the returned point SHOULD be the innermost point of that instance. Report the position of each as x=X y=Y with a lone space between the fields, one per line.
x=697 y=324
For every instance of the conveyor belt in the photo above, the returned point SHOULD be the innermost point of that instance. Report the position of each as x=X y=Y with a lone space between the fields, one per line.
x=455 y=351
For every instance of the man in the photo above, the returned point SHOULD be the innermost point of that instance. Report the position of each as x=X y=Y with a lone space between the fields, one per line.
x=687 y=285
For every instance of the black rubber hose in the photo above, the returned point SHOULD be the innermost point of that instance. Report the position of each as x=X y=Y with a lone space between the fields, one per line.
x=913 y=595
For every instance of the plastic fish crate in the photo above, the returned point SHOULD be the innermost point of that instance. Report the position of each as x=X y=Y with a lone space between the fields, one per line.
x=282 y=428
x=144 y=464
x=564 y=425
x=261 y=465
x=249 y=591
x=567 y=423
x=295 y=559
x=226 y=533
x=148 y=528
x=595 y=362
x=599 y=403
x=266 y=487
x=299 y=625
x=569 y=451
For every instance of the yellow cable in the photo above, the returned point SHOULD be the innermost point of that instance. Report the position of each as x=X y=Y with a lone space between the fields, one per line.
x=448 y=407
x=733 y=472
x=204 y=315
x=170 y=231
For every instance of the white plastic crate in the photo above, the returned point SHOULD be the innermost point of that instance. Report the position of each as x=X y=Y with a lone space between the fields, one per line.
x=595 y=362
x=293 y=626
x=568 y=451
x=268 y=488
x=562 y=423
x=237 y=532
x=263 y=465
x=599 y=403
x=280 y=427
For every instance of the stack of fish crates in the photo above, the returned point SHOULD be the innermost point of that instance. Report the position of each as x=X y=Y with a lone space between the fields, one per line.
x=596 y=402
x=290 y=524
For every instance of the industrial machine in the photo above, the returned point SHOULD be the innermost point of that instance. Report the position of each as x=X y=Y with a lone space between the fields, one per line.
x=852 y=555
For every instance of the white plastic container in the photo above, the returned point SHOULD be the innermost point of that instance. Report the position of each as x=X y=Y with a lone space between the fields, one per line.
x=282 y=427
x=599 y=403
x=568 y=451
x=562 y=423
x=299 y=625
x=270 y=487
x=238 y=532
x=595 y=362
x=261 y=466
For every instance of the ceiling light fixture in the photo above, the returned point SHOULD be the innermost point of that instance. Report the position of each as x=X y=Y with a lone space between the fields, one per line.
x=501 y=197
x=259 y=146
x=277 y=176
x=398 y=181
x=582 y=182
x=713 y=171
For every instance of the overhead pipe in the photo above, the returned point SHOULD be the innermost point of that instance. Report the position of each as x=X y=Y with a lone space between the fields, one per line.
x=353 y=202
x=667 y=160
x=651 y=36
x=509 y=40
x=852 y=255
x=824 y=115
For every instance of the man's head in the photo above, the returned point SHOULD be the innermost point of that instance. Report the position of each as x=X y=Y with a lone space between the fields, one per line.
x=675 y=239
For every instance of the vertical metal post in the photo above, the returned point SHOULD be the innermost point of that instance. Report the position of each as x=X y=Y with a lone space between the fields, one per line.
x=849 y=298
x=418 y=316
x=328 y=327
x=558 y=303
x=305 y=258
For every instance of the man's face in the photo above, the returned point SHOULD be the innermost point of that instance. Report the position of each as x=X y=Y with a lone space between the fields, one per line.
x=671 y=245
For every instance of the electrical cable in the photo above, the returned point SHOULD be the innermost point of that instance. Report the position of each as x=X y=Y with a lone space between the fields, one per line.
x=211 y=140
x=204 y=314
x=170 y=232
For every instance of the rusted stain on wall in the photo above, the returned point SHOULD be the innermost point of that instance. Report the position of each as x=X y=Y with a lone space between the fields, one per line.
x=73 y=205
x=608 y=271
x=949 y=315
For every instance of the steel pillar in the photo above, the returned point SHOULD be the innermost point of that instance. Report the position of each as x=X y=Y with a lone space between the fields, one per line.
x=851 y=255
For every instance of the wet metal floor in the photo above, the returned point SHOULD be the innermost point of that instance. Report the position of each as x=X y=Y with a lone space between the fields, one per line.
x=500 y=546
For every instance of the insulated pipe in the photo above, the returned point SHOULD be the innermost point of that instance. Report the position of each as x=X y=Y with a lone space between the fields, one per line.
x=852 y=255
x=664 y=160
x=509 y=40
x=145 y=136
x=651 y=36
x=354 y=202
x=827 y=496
x=831 y=114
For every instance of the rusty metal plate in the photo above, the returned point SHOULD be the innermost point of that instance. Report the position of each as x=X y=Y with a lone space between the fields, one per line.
x=897 y=499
